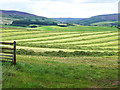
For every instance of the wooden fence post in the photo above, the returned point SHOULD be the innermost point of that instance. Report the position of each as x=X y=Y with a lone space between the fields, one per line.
x=14 y=53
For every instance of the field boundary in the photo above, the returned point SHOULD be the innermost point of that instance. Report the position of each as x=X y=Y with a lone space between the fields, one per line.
x=8 y=54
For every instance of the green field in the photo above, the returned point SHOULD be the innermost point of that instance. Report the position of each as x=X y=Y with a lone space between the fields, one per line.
x=40 y=70
x=107 y=23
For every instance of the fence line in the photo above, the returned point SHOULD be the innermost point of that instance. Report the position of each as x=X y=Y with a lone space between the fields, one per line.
x=4 y=57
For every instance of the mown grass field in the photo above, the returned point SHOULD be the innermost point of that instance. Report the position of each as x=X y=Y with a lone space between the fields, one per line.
x=76 y=38
x=54 y=71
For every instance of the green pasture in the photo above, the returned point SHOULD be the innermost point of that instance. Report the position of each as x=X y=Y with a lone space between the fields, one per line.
x=77 y=28
x=105 y=23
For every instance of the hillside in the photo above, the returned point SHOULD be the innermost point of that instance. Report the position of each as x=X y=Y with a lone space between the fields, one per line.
x=99 y=18
x=8 y=16
x=108 y=19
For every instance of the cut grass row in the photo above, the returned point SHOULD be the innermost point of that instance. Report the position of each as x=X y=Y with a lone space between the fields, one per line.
x=87 y=42
x=66 y=48
x=35 y=35
x=112 y=40
x=82 y=41
x=56 y=37
x=14 y=32
x=83 y=36
x=21 y=33
x=75 y=38
x=103 y=44
x=45 y=33
x=66 y=54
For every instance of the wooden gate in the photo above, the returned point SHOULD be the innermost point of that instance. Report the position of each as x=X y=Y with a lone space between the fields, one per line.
x=8 y=54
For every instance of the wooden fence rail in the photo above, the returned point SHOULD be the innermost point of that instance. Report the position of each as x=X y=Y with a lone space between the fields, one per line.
x=8 y=54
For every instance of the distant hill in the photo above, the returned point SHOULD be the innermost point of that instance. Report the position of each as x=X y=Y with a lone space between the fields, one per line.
x=67 y=20
x=99 y=18
x=8 y=16
x=108 y=19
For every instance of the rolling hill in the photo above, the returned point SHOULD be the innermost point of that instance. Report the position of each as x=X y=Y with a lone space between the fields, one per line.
x=8 y=16
x=106 y=20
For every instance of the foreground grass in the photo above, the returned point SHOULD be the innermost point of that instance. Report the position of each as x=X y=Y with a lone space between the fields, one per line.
x=61 y=72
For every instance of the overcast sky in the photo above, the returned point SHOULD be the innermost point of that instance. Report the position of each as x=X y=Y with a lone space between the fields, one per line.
x=62 y=8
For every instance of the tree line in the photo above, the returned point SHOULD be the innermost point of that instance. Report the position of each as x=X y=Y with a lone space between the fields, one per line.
x=29 y=22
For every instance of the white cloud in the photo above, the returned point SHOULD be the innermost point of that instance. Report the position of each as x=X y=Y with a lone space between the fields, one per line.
x=15 y=4
x=62 y=8
x=81 y=1
x=98 y=1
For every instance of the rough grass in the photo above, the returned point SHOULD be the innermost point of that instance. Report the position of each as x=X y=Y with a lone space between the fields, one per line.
x=61 y=72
